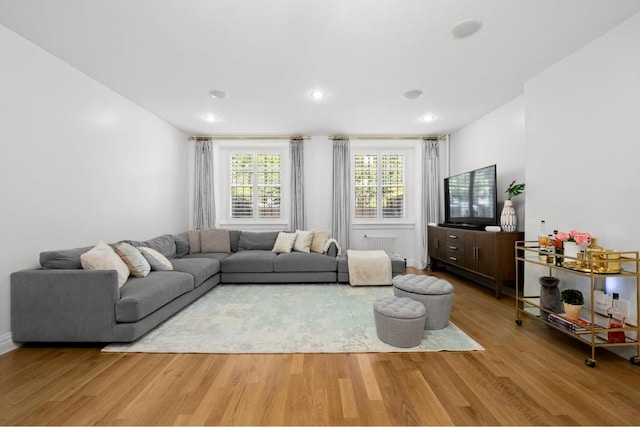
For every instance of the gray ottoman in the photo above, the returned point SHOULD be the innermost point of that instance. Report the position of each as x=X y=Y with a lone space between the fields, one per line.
x=435 y=294
x=399 y=321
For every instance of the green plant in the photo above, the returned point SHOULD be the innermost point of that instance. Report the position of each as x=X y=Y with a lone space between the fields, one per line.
x=514 y=189
x=572 y=296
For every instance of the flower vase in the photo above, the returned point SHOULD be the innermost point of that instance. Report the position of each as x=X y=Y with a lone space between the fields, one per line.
x=508 y=219
x=570 y=251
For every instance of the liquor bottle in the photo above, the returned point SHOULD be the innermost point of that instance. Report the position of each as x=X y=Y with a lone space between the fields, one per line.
x=542 y=241
x=557 y=243
x=616 y=320
x=551 y=249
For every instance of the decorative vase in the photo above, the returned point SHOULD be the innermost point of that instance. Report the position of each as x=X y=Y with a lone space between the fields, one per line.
x=570 y=251
x=572 y=311
x=508 y=219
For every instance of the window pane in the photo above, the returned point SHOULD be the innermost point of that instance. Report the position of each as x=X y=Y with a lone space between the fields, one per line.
x=366 y=202
x=255 y=185
x=241 y=202
x=269 y=202
x=379 y=178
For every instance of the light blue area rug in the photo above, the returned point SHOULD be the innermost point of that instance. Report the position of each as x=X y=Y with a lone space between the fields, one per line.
x=304 y=318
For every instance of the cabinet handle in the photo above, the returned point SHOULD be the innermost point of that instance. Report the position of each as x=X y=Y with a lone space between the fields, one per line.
x=453 y=236
x=437 y=243
x=476 y=251
x=452 y=258
x=453 y=247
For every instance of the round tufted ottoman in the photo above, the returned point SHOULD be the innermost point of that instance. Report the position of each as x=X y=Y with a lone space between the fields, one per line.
x=399 y=321
x=435 y=294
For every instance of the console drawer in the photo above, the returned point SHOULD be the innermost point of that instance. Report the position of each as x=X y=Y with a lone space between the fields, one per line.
x=455 y=236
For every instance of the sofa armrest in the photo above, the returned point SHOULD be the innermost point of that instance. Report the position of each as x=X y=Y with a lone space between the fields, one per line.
x=63 y=305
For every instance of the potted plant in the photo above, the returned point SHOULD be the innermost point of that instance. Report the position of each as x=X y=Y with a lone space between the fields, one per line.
x=573 y=301
x=508 y=219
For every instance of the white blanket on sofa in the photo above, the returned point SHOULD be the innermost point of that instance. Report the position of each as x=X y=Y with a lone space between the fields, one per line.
x=369 y=268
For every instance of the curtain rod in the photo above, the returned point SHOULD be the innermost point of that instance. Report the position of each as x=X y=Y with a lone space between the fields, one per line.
x=428 y=138
x=223 y=137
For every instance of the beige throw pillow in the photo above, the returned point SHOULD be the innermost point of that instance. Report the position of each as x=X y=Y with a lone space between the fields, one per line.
x=194 y=241
x=137 y=264
x=103 y=257
x=215 y=240
x=157 y=261
x=319 y=240
x=284 y=242
x=303 y=241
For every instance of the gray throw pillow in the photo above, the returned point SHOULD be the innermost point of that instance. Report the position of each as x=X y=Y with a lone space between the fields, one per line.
x=215 y=240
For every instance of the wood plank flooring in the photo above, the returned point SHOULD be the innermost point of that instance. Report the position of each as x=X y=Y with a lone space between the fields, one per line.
x=528 y=375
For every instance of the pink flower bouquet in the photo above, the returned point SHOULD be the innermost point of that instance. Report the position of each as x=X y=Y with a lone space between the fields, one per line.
x=575 y=236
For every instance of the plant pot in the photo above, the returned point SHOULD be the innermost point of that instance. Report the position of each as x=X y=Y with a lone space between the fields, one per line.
x=572 y=311
x=508 y=219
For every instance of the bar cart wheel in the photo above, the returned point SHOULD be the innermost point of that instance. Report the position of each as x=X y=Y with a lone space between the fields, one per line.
x=519 y=322
x=590 y=363
x=635 y=360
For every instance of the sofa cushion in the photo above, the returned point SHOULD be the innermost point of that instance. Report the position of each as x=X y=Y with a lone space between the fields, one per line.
x=211 y=255
x=141 y=296
x=194 y=241
x=136 y=262
x=284 y=242
x=214 y=240
x=249 y=262
x=200 y=268
x=66 y=259
x=163 y=244
x=300 y=261
x=234 y=239
x=251 y=240
x=182 y=244
x=157 y=261
x=319 y=239
x=103 y=257
x=303 y=241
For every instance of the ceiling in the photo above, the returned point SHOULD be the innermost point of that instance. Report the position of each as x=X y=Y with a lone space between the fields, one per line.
x=269 y=55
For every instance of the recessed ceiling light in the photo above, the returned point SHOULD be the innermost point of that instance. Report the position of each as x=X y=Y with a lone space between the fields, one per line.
x=218 y=94
x=412 y=94
x=210 y=118
x=317 y=94
x=466 y=28
x=428 y=118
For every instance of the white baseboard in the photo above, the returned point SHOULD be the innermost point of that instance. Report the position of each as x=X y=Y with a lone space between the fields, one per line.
x=6 y=343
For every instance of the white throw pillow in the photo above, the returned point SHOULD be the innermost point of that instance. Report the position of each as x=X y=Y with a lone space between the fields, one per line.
x=103 y=257
x=303 y=241
x=284 y=242
x=157 y=261
x=137 y=264
x=319 y=240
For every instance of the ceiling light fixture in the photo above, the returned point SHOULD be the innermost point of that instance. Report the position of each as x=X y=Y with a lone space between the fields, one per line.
x=218 y=94
x=428 y=118
x=210 y=118
x=466 y=28
x=317 y=94
x=412 y=94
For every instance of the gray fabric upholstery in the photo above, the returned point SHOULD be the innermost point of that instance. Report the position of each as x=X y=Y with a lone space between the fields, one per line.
x=200 y=268
x=163 y=244
x=63 y=305
x=435 y=294
x=210 y=255
x=63 y=259
x=252 y=240
x=182 y=244
x=399 y=321
x=234 y=239
x=299 y=261
x=285 y=277
x=254 y=261
x=141 y=296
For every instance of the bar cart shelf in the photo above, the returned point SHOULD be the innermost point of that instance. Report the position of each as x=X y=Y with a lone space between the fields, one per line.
x=592 y=328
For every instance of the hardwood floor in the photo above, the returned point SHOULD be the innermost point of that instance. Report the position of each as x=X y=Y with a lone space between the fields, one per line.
x=529 y=375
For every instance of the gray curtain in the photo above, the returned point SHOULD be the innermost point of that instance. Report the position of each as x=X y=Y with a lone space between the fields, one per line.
x=430 y=191
x=341 y=208
x=296 y=152
x=204 y=212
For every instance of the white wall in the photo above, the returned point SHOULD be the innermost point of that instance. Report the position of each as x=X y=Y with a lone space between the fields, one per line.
x=582 y=153
x=78 y=163
x=497 y=138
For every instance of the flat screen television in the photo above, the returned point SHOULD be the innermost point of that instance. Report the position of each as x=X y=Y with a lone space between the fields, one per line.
x=470 y=199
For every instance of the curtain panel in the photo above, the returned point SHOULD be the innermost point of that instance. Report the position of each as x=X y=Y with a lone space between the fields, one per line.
x=204 y=215
x=430 y=211
x=341 y=206
x=296 y=152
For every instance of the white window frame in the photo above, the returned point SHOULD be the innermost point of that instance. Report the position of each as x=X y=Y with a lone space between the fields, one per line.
x=406 y=150
x=223 y=193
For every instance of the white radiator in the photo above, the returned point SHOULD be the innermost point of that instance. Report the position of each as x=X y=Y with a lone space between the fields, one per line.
x=381 y=243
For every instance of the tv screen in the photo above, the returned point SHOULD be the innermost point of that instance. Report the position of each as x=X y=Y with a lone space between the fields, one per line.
x=471 y=197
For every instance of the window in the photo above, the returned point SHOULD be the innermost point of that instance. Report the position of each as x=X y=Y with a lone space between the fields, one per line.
x=256 y=186
x=379 y=186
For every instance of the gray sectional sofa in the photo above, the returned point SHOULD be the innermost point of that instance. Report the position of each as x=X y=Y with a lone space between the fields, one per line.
x=62 y=302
